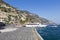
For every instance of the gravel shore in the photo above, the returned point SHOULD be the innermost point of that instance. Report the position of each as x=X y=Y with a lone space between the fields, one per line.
x=11 y=32
x=21 y=33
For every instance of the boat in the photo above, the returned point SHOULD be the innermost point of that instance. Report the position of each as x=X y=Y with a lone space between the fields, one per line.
x=52 y=26
x=35 y=25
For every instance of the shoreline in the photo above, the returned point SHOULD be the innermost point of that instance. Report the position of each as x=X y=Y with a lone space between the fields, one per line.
x=39 y=36
x=24 y=31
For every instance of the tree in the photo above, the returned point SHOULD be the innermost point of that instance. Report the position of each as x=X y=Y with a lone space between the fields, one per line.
x=9 y=18
x=22 y=22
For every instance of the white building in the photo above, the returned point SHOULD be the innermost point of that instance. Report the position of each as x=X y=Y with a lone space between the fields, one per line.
x=1 y=20
x=2 y=17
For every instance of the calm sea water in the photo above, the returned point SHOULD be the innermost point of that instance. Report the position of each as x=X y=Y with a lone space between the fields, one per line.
x=49 y=33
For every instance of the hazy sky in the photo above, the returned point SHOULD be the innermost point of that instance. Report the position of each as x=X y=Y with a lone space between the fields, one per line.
x=49 y=9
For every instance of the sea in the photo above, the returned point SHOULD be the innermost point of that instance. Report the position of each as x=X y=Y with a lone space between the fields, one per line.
x=49 y=32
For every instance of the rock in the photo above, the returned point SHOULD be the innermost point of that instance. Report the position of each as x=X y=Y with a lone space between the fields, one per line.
x=2 y=25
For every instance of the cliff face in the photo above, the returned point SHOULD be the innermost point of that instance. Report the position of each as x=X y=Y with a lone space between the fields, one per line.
x=11 y=15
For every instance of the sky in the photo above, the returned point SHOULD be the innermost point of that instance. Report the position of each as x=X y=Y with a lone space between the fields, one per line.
x=49 y=9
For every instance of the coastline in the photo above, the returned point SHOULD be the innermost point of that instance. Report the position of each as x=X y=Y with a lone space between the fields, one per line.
x=39 y=36
x=22 y=33
x=27 y=33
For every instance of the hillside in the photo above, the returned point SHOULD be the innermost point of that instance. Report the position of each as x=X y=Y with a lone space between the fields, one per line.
x=11 y=15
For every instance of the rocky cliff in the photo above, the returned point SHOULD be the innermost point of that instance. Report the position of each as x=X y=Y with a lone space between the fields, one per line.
x=11 y=15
